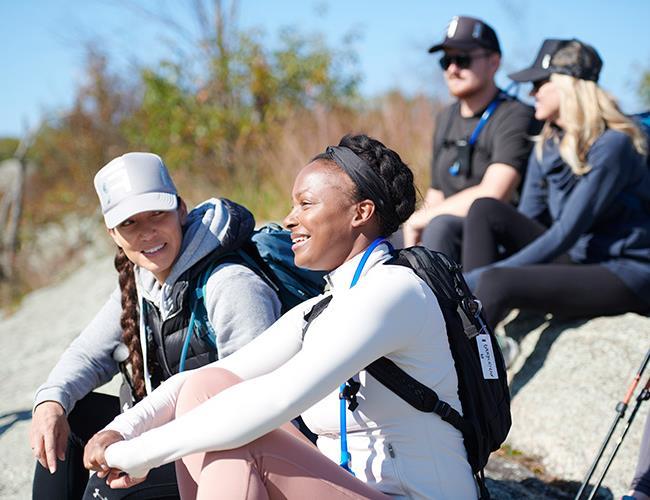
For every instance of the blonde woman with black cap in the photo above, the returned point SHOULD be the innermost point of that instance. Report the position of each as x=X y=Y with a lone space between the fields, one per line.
x=579 y=244
x=162 y=250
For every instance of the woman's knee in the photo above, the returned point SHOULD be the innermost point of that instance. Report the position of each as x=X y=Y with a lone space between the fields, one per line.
x=201 y=385
x=495 y=293
x=483 y=206
x=442 y=230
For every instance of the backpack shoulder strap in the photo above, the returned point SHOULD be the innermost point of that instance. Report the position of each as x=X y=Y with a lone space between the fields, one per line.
x=415 y=393
x=316 y=310
x=198 y=296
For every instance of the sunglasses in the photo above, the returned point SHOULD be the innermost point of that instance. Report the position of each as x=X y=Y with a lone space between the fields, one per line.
x=538 y=84
x=463 y=61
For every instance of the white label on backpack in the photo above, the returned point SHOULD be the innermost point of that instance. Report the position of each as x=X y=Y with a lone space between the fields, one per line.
x=487 y=356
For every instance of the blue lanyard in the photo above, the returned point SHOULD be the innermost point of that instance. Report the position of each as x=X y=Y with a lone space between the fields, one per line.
x=455 y=168
x=489 y=110
x=484 y=118
x=345 y=454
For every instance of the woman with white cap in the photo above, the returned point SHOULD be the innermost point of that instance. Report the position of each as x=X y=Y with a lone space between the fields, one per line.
x=579 y=243
x=225 y=424
x=162 y=251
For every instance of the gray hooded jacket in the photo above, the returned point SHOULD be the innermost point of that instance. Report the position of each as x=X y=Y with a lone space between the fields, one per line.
x=240 y=305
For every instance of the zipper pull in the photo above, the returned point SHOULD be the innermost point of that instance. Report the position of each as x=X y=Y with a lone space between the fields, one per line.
x=391 y=452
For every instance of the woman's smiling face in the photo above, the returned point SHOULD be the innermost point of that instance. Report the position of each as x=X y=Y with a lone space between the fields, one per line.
x=321 y=221
x=152 y=240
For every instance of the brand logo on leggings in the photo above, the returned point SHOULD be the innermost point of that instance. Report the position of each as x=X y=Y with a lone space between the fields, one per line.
x=97 y=494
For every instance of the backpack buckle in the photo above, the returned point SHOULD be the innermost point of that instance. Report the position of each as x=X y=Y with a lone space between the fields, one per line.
x=442 y=409
x=349 y=393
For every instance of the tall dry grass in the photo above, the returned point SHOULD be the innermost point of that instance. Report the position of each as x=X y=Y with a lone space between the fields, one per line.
x=264 y=180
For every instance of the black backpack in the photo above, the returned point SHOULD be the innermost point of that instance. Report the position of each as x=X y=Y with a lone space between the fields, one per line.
x=486 y=416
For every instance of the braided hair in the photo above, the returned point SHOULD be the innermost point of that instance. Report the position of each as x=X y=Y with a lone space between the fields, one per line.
x=129 y=321
x=396 y=177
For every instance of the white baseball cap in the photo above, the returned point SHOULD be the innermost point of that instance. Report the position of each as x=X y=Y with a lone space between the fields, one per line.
x=134 y=183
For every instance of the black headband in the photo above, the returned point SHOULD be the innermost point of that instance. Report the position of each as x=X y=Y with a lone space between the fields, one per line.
x=369 y=183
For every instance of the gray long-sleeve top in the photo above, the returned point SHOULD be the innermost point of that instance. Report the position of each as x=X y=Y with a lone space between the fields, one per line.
x=240 y=305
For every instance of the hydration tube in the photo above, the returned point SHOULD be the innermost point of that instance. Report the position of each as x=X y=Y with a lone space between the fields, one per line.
x=346 y=458
x=186 y=342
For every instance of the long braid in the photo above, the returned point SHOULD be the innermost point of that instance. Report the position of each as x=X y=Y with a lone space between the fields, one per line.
x=129 y=321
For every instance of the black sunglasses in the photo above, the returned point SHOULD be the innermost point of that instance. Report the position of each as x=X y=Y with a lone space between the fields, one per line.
x=537 y=84
x=463 y=61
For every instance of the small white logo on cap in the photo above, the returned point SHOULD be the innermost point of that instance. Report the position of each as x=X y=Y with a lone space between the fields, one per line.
x=478 y=29
x=546 y=61
x=116 y=181
x=453 y=25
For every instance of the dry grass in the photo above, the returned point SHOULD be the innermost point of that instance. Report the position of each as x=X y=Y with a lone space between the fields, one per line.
x=262 y=179
x=404 y=125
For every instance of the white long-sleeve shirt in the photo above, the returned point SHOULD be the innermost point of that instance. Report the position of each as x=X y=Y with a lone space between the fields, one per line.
x=396 y=448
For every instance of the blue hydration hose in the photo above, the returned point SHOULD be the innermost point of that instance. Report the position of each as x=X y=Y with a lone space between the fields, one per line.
x=346 y=458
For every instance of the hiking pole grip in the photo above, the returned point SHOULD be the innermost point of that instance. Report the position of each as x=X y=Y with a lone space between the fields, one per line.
x=621 y=407
x=643 y=396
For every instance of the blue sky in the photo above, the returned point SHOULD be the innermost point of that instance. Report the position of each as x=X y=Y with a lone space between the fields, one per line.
x=42 y=41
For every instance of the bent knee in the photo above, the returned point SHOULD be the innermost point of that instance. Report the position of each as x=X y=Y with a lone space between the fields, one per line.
x=201 y=385
x=482 y=206
x=443 y=227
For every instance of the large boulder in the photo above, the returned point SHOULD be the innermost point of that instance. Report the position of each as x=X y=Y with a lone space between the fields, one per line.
x=565 y=386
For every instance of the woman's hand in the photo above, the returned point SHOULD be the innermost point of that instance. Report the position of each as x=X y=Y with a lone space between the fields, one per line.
x=414 y=227
x=412 y=235
x=94 y=451
x=119 y=457
x=118 y=479
x=95 y=458
x=49 y=433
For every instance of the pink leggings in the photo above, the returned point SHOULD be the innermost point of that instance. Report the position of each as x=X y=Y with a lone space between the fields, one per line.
x=281 y=464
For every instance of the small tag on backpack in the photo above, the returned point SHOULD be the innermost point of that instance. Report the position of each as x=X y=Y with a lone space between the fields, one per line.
x=487 y=356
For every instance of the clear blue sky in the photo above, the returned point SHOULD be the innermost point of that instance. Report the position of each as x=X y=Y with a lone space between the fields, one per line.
x=42 y=57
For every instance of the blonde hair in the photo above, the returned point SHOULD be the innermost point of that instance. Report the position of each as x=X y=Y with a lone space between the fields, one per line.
x=586 y=111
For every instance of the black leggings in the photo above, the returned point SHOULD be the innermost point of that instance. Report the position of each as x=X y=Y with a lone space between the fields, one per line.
x=90 y=415
x=494 y=230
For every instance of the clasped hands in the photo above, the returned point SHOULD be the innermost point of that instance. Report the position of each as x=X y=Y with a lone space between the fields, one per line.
x=95 y=459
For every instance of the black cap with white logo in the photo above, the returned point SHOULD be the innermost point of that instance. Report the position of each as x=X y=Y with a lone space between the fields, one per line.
x=566 y=57
x=467 y=33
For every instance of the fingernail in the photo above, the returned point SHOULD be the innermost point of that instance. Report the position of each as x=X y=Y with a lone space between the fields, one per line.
x=52 y=469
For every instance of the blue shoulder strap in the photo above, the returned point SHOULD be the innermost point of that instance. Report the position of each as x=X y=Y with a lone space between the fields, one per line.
x=199 y=316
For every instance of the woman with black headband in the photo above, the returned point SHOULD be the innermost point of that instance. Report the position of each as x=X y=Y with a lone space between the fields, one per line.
x=225 y=425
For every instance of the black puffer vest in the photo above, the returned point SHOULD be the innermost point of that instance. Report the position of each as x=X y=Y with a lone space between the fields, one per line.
x=165 y=338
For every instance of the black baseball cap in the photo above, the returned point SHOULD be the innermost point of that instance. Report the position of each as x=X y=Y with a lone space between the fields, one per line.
x=567 y=57
x=466 y=33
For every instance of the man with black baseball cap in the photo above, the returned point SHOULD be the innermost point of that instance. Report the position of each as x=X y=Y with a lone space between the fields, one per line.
x=480 y=146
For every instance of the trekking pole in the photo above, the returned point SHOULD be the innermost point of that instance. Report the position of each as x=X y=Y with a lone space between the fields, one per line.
x=621 y=407
x=644 y=395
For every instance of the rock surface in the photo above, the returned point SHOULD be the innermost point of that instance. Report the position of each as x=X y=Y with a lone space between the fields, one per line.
x=33 y=339
x=565 y=385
